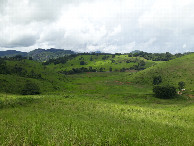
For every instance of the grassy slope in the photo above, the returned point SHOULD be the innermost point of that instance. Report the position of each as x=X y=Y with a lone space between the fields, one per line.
x=50 y=83
x=100 y=109
x=120 y=62
x=172 y=72
x=96 y=110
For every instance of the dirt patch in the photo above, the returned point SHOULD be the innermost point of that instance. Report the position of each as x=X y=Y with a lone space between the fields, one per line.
x=190 y=96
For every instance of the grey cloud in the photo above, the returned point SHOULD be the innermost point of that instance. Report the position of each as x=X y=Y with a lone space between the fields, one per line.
x=23 y=41
x=111 y=25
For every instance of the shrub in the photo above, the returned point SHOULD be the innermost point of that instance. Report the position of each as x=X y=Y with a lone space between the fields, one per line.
x=165 y=92
x=181 y=85
x=82 y=63
x=157 y=80
x=30 y=88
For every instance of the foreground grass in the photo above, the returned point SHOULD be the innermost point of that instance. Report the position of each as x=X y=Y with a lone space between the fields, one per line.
x=95 y=119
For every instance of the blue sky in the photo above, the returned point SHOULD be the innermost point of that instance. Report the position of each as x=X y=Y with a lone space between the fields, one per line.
x=105 y=25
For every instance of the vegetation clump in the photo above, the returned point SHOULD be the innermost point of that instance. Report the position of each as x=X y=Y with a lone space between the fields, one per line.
x=181 y=85
x=157 y=80
x=30 y=88
x=164 y=92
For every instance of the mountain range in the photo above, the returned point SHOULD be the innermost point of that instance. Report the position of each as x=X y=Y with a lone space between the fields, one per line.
x=38 y=54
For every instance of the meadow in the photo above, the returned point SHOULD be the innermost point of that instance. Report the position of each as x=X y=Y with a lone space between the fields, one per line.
x=99 y=108
x=96 y=109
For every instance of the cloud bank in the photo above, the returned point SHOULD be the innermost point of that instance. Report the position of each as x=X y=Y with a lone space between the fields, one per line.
x=90 y=25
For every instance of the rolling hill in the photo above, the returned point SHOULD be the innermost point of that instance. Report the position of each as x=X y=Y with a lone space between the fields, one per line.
x=18 y=72
x=116 y=62
x=172 y=72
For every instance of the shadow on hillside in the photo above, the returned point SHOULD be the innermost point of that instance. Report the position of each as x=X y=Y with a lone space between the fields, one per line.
x=11 y=103
x=143 y=100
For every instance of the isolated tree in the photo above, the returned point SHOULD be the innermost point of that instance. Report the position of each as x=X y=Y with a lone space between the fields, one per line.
x=165 y=92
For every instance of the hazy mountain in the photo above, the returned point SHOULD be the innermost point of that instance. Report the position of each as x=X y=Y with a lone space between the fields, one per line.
x=135 y=51
x=10 y=53
x=46 y=54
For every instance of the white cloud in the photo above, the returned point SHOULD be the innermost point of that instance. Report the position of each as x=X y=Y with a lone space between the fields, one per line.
x=89 y=25
x=184 y=46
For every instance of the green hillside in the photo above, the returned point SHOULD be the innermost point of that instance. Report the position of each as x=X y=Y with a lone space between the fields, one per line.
x=106 y=62
x=18 y=72
x=172 y=72
x=95 y=108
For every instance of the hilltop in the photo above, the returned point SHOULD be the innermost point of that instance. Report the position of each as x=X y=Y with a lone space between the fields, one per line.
x=46 y=54
x=172 y=72
x=38 y=54
x=100 y=63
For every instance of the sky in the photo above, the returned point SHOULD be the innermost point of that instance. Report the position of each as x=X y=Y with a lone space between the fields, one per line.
x=112 y=26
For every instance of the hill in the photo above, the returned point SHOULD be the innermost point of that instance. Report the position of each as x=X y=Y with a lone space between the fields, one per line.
x=172 y=72
x=44 y=55
x=15 y=73
x=99 y=108
x=96 y=109
x=100 y=63
x=10 y=53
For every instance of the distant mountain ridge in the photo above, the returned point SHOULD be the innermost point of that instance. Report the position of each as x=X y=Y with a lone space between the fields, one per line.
x=46 y=54
x=10 y=53
x=38 y=54
x=135 y=51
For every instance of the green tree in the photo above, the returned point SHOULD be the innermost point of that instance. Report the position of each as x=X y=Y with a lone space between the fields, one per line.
x=165 y=92
x=157 y=80
x=30 y=88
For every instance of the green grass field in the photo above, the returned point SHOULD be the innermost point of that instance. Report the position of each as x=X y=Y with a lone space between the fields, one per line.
x=96 y=109
x=97 y=62
x=101 y=108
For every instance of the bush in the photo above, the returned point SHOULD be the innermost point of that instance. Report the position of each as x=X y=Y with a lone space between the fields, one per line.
x=157 y=80
x=181 y=85
x=30 y=88
x=165 y=92
x=82 y=63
